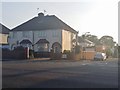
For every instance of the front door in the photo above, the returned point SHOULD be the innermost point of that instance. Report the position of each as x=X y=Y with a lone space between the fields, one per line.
x=56 y=48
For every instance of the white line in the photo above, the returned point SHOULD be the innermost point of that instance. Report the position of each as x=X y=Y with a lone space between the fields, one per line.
x=83 y=64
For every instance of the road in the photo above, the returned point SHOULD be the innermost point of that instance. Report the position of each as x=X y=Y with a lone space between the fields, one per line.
x=60 y=74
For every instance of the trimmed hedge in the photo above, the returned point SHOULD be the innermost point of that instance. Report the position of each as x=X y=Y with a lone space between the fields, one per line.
x=42 y=54
x=17 y=53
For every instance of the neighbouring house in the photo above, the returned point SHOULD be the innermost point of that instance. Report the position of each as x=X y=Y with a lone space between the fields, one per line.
x=86 y=44
x=4 y=32
x=43 y=34
x=87 y=48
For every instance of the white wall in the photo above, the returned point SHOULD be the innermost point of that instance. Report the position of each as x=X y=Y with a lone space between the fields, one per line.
x=15 y=36
x=66 y=40
x=50 y=35
x=63 y=37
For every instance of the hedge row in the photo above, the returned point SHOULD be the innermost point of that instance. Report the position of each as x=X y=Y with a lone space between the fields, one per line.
x=17 y=53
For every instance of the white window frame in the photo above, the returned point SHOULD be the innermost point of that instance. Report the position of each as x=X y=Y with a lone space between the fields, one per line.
x=25 y=34
x=55 y=34
x=42 y=34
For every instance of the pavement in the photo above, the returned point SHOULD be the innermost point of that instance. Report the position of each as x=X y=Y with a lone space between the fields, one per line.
x=60 y=74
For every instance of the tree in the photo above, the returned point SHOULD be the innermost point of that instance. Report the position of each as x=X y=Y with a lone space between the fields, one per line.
x=93 y=38
x=107 y=40
x=109 y=52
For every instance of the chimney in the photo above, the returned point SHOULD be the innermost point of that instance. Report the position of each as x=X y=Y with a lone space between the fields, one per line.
x=41 y=15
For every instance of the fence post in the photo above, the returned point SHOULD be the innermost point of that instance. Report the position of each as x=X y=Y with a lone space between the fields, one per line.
x=28 y=53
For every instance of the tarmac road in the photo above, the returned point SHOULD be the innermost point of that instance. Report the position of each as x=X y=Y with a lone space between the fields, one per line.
x=60 y=74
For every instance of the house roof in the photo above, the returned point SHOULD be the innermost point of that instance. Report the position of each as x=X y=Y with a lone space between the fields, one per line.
x=43 y=23
x=88 y=41
x=4 y=29
x=42 y=41
x=25 y=41
x=81 y=40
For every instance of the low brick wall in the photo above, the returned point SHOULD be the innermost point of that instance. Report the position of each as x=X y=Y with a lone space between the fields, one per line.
x=87 y=55
x=77 y=56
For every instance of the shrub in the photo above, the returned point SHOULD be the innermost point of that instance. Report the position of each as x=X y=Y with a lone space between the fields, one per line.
x=108 y=52
x=70 y=55
x=66 y=52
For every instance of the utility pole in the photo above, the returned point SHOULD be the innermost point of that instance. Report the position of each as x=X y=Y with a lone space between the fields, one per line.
x=33 y=40
x=84 y=36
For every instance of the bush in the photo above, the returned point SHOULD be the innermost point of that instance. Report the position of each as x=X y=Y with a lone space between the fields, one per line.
x=31 y=53
x=70 y=55
x=108 y=52
x=66 y=52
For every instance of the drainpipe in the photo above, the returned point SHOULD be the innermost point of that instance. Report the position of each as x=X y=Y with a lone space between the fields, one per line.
x=77 y=38
x=33 y=41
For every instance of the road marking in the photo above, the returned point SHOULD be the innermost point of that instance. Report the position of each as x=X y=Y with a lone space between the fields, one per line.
x=83 y=64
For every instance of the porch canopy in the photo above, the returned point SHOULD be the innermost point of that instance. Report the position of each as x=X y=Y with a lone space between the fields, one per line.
x=42 y=41
x=25 y=41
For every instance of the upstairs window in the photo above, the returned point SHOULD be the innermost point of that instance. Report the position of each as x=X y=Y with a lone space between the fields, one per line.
x=25 y=34
x=55 y=34
x=41 y=34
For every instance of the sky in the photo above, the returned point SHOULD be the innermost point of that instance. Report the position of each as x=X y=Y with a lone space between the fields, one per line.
x=99 y=17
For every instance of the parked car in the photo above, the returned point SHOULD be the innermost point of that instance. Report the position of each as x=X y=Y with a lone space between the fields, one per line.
x=100 y=56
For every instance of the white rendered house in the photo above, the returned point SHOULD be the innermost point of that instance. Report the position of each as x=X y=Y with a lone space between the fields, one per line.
x=44 y=33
